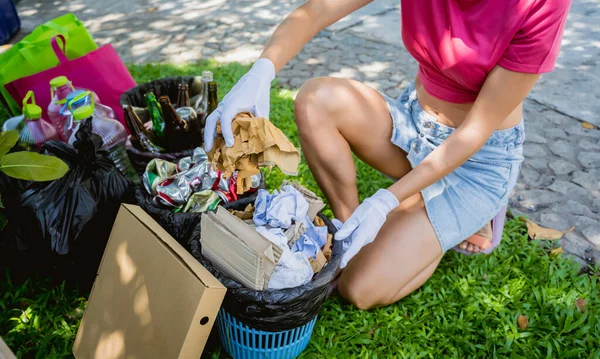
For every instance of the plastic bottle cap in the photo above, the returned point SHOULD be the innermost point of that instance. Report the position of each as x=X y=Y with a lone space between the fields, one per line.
x=59 y=81
x=74 y=94
x=83 y=112
x=32 y=111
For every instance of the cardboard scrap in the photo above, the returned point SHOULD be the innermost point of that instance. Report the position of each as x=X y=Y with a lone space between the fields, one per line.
x=294 y=233
x=318 y=263
x=257 y=143
x=327 y=247
x=536 y=231
x=237 y=250
x=319 y=222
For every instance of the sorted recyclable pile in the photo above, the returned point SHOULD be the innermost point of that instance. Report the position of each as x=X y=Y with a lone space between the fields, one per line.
x=166 y=117
x=278 y=242
x=191 y=184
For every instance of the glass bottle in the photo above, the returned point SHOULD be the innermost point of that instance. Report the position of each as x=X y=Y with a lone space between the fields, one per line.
x=176 y=130
x=201 y=105
x=141 y=138
x=213 y=98
x=156 y=116
x=189 y=115
x=183 y=96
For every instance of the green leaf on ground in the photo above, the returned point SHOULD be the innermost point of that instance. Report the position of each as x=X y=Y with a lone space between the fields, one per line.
x=33 y=166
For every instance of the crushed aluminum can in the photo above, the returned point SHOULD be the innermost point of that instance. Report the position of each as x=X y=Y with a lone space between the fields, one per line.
x=185 y=164
x=227 y=187
x=202 y=201
x=224 y=196
x=173 y=192
x=198 y=157
x=156 y=172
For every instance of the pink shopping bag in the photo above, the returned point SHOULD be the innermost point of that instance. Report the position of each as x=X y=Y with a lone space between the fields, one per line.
x=101 y=71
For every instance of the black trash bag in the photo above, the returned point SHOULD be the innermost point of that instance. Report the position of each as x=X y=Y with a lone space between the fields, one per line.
x=168 y=86
x=64 y=207
x=181 y=225
x=274 y=310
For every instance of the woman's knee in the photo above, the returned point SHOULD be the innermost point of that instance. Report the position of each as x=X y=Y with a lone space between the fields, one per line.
x=319 y=98
x=361 y=293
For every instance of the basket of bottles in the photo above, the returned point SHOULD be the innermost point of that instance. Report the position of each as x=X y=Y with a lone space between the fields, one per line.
x=166 y=117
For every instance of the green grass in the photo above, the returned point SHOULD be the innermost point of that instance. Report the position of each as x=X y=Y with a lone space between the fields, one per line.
x=469 y=308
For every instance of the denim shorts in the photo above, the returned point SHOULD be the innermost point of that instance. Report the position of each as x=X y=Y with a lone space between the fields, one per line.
x=461 y=203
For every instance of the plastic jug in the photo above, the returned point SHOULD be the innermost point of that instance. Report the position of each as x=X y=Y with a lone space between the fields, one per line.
x=60 y=89
x=33 y=130
x=100 y=110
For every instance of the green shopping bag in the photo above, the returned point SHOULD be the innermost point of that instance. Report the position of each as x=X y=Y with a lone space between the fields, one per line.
x=34 y=53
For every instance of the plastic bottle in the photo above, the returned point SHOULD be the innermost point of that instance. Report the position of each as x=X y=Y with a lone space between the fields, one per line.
x=60 y=89
x=111 y=131
x=34 y=131
x=100 y=110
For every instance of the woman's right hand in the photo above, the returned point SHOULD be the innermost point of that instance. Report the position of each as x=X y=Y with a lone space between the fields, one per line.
x=250 y=94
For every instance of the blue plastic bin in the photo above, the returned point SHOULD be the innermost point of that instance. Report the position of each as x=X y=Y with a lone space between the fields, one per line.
x=9 y=21
x=243 y=342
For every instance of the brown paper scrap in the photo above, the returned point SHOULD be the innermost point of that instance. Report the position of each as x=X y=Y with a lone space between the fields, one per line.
x=257 y=143
x=247 y=213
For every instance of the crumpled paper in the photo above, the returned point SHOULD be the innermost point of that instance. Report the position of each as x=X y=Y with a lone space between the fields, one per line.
x=257 y=143
x=280 y=208
x=293 y=269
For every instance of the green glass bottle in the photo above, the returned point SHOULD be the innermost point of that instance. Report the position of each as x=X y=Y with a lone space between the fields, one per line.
x=141 y=138
x=213 y=99
x=155 y=111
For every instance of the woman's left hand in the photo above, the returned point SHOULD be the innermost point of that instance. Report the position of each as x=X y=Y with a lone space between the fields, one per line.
x=366 y=221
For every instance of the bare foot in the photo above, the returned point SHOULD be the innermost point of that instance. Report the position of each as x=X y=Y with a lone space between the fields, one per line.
x=483 y=236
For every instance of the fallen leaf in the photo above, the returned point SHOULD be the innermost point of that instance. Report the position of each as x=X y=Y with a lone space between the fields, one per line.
x=523 y=322
x=536 y=231
x=151 y=9
x=588 y=125
x=5 y=48
x=580 y=303
x=556 y=251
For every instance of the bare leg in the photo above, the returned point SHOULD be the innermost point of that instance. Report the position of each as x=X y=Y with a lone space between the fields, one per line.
x=336 y=117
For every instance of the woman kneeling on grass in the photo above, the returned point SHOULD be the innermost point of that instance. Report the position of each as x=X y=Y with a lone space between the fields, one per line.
x=454 y=138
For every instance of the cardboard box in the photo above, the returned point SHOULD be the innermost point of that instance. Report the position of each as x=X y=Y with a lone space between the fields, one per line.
x=151 y=298
x=5 y=352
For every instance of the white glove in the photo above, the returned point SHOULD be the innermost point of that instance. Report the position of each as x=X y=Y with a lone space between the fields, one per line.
x=250 y=94
x=366 y=221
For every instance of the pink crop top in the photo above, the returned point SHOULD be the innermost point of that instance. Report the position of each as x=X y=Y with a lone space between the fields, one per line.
x=458 y=42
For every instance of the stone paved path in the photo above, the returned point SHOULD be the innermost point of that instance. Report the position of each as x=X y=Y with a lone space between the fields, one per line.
x=560 y=180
